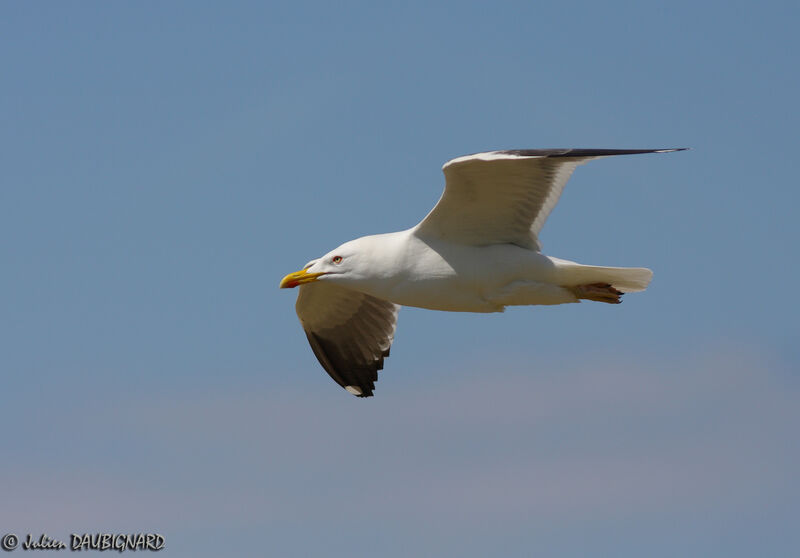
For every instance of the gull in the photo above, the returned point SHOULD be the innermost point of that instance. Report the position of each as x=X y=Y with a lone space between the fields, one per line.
x=476 y=251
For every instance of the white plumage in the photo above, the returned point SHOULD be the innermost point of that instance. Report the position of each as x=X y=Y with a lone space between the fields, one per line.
x=476 y=251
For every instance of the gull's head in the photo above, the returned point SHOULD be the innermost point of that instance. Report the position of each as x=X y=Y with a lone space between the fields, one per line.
x=342 y=265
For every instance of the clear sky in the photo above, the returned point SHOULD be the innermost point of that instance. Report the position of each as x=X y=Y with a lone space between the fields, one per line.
x=164 y=164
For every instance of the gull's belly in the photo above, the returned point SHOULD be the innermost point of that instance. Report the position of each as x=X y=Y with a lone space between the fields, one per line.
x=465 y=278
x=441 y=293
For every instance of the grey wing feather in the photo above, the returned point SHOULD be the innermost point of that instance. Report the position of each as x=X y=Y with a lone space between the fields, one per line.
x=350 y=333
x=505 y=196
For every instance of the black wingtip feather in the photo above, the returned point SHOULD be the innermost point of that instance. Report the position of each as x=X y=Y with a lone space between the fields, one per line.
x=362 y=376
x=581 y=152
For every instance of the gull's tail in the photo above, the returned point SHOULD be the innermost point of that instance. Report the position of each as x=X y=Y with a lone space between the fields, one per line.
x=623 y=279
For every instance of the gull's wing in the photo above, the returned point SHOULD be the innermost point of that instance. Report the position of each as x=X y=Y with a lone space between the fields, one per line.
x=350 y=333
x=505 y=196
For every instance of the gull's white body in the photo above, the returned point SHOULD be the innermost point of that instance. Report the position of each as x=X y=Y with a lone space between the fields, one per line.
x=441 y=275
x=476 y=251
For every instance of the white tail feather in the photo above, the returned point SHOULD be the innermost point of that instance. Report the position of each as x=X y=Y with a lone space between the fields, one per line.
x=625 y=279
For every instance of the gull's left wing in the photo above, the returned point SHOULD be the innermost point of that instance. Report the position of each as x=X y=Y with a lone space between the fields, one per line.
x=350 y=333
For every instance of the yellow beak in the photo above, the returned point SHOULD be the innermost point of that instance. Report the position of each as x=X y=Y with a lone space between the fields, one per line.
x=298 y=278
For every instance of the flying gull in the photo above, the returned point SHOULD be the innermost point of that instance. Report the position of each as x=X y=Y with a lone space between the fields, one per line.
x=477 y=251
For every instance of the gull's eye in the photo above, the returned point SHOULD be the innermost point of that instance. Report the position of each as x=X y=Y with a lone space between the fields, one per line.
x=337 y=259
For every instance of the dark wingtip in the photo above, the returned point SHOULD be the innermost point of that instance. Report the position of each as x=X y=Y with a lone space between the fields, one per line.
x=582 y=152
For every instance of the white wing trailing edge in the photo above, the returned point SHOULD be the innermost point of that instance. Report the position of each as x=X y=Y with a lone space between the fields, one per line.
x=504 y=197
x=350 y=333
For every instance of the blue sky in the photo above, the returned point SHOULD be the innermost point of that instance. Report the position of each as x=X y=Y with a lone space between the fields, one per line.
x=164 y=165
